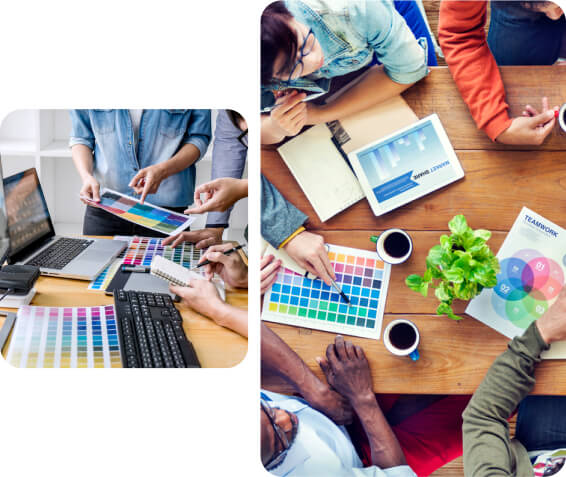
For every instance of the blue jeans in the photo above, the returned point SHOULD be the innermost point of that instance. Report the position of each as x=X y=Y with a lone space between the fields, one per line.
x=410 y=11
x=541 y=423
x=100 y=222
x=518 y=36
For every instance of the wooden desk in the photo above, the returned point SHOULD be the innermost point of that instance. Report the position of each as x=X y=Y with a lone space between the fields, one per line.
x=499 y=181
x=216 y=347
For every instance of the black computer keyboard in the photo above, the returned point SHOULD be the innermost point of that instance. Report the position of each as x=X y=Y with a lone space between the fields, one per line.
x=60 y=253
x=151 y=332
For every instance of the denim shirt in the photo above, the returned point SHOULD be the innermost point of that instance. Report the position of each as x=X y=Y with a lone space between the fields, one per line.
x=109 y=134
x=350 y=32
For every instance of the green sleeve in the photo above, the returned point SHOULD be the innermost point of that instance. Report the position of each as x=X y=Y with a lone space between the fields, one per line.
x=488 y=449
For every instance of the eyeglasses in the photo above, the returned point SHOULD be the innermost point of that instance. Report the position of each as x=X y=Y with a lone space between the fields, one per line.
x=280 y=455
x=305 y=49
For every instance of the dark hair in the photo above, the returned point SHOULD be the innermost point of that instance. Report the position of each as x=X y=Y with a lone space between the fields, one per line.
x=276 y=37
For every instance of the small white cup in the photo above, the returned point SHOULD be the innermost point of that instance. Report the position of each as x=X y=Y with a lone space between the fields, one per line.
x=384 y=254
x=412 y=350
x=561 y=117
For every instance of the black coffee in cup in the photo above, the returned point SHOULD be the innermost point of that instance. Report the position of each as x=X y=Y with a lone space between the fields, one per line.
x=402 y=336
x=397 y=244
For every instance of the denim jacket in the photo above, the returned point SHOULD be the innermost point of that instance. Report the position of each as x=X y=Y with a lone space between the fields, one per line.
x=350 y=32
x=109 y=133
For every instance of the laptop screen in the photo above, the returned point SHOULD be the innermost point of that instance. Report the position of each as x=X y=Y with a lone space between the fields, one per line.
x=4 y=238
x=28 y=216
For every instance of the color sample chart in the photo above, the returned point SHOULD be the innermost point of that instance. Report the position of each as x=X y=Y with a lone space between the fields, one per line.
x=146 y=214
x=300 y=301
x=50 y=337
x=141 y=251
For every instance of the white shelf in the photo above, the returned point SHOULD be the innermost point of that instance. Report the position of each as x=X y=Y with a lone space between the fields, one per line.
x=56 y=149
x=17 y=147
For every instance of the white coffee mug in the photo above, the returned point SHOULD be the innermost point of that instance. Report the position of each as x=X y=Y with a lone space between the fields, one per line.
x=561 y=121
x=396 y=349
x=386 y=256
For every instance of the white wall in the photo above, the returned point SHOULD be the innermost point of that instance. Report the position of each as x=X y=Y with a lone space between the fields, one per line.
x=38 y=138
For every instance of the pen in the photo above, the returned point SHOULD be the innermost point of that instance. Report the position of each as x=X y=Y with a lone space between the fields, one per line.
x=227 y=252
x=342 y=294
x=135 y=269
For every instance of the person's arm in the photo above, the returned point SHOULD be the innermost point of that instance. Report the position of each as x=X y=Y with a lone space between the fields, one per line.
x=462 y=37
x=347 y=370
x=404 y=62
x=228 y=160
x=202 y=296
x=488 y=449
x=82 y=145
x=278 y=358
x=194 y=145
x=282 y=226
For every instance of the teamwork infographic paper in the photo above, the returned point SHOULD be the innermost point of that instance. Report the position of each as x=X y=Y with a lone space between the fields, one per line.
x=296 y=300
x=50 y=337
x=533 y=266
x=147 y=215
x=141 y=251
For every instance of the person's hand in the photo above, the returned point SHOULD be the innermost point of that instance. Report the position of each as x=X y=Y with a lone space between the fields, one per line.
x=231 y=267
x=531 y=128
x=148 y=179
x=290 y=114
x=91 y=189
x=552 y=325
x=347 y=370
x=329 y=402
x=202 y=296
x=218 y=195
x=268 y=270
x=308 y=250
x=201 y=238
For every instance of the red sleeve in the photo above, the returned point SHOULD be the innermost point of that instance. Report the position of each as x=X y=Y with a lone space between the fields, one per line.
x=473 y=67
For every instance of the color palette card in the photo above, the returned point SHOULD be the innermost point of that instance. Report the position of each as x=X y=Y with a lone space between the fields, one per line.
x=141 y=251
x=146 y=214
x=296 y=300
x=51 y=337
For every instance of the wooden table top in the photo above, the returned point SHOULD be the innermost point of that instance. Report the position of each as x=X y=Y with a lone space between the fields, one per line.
x=499 y=181
x=216 y=347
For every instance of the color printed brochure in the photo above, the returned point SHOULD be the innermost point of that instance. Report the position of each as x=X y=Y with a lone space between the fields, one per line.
x=146 y=214
x=406 y=165
x=533 y=267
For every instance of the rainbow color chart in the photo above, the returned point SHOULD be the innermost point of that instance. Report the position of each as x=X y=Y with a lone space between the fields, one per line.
x=146 y=214
x=51 y=337
x=141 y=251
x=297 y=300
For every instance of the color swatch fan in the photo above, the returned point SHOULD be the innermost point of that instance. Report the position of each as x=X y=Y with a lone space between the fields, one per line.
x=296 y=300
x=50 y=337
x=533 y=261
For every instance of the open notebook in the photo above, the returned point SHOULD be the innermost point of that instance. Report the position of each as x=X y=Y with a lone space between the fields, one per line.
x=179 y=275
x=318 y=157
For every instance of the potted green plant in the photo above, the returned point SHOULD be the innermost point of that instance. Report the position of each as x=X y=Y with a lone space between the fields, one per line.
x=460 y=267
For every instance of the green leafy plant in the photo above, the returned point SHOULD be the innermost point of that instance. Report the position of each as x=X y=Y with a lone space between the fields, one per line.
x=460 y=267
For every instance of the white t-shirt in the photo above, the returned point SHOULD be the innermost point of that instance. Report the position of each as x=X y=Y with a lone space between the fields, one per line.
x=135 y=115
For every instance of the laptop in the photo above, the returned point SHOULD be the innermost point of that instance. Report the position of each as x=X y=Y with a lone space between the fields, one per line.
x=33 y=240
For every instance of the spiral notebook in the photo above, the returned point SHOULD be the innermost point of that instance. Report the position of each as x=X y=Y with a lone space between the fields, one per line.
x=179 y=275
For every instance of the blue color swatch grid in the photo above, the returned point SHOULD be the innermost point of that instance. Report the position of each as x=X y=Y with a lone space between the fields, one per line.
x=300 y=301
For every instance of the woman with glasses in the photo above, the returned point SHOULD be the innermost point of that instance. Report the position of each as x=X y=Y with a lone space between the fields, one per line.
x=304 y=44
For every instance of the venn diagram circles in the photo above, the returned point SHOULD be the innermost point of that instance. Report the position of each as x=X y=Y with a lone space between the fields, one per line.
x=526 y=287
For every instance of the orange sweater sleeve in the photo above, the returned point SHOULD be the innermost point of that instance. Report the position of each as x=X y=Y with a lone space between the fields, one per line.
x=473 y=67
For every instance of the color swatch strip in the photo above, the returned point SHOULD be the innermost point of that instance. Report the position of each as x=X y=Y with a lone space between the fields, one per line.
x=146 y=214
x=141 y=251
x=297 y=300
x=51 y=337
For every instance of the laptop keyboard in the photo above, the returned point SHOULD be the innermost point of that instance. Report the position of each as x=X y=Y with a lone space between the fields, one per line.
x=60 y=253
x=151 y=332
